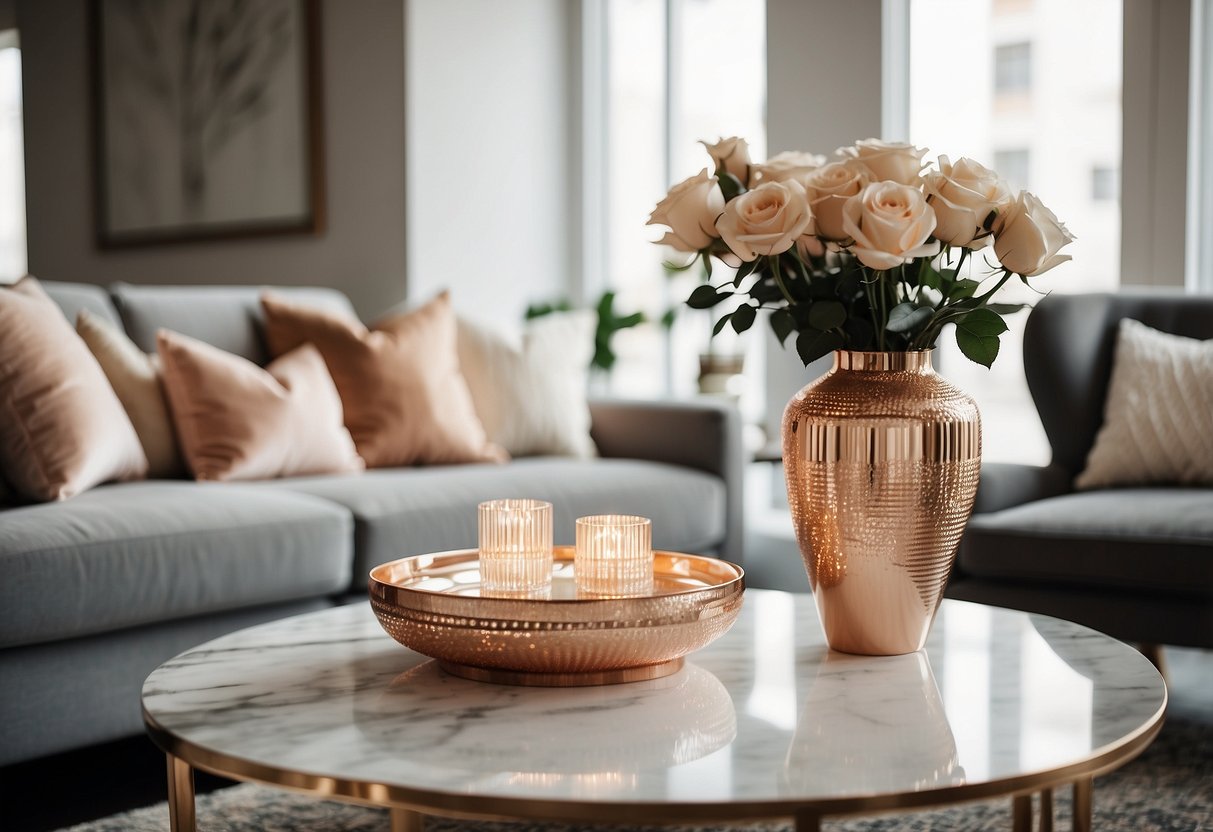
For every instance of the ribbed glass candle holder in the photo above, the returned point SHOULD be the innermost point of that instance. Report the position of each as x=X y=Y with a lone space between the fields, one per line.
x=614 y=555
x=515 y=548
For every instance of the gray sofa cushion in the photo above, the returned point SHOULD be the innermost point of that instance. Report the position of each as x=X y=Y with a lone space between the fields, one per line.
x=227 y=317
x=412 y=511
x=130 y=553
x=72 y=297
x=1146 y=539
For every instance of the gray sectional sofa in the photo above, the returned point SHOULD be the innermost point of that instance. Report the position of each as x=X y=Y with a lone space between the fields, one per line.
x=98 y=590
x=1136 y=563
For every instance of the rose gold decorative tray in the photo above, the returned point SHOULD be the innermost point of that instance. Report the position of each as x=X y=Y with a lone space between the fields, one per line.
x=432 y=604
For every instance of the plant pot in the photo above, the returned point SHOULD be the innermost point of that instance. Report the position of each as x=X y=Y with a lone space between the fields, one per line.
x=882 y=459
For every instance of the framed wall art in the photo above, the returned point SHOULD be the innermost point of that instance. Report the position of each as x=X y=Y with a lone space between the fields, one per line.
x=207 y=119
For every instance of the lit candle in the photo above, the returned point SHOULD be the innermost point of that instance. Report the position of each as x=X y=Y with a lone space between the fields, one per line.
x=614 y=555
x=515 y=548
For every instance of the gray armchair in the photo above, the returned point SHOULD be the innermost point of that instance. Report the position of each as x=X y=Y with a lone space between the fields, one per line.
x=1136 y=563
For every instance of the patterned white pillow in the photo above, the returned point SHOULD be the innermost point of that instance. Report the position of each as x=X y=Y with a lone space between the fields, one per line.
x=1158 y=418
x=530 y=392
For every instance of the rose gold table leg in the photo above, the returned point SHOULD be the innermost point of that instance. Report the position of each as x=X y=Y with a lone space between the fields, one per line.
x=180 y=795
x=1046 y=810
x=1082 y=804
x=808 y=822
x=406 y=820
x=1021 y=813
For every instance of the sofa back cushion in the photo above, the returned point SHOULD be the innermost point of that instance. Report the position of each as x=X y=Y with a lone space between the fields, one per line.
x=74 y=298
x=1068 y=348
x=227 y=317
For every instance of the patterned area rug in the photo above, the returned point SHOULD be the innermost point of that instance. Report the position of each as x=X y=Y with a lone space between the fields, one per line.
x=1168 y=789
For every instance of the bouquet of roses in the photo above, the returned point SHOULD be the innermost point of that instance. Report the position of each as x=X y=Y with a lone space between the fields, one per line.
x=862 y=252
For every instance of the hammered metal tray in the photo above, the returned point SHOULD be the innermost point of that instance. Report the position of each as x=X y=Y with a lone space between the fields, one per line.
x=432 y=604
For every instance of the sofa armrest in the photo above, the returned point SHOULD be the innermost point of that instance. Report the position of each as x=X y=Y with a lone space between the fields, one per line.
x=704 y=434
x=1005 y=484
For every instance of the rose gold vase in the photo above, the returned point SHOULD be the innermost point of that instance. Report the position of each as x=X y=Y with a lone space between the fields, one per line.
x=882 y=458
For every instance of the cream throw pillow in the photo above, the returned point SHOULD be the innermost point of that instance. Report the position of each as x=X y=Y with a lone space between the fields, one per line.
x=240 y=422
x=530 y=392
x=135 y=377
x=63 y=429
x=1158 y=418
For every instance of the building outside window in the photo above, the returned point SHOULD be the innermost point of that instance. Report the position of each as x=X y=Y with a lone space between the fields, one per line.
x=1015 y=166
x=1061 y=61
x=1013 y=68
x=1105 y=186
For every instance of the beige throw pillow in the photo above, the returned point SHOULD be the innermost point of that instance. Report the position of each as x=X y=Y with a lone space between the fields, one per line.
x=64 y=430
x=237 y=421
x=1158 y=417
x=530 y=392
x=406 y=402
x=135 y=377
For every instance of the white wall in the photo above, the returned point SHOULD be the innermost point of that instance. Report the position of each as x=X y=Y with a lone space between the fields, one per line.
x=823 y=92
x=362 y=251
x=489 y=136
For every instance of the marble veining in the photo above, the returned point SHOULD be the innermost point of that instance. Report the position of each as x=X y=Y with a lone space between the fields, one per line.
x=765 y=713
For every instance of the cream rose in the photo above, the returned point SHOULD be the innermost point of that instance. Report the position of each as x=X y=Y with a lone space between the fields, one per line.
x=1027 y=237
x=732 y=155
x=888 y=161
x=963 y=196
x=890 y=224
x=767 y=220
x=828 y=188
x=791 y=164
x=690 y=210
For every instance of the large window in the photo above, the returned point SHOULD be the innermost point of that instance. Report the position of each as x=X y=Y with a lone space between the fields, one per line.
x=12 y=163
x=1060 y=138
x=677 y=71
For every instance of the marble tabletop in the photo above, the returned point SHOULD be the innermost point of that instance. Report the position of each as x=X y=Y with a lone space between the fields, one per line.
x=765 y=716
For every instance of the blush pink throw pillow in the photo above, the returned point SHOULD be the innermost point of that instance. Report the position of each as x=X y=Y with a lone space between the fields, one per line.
x=64 y=430
x=236 y=421
x=406 y=401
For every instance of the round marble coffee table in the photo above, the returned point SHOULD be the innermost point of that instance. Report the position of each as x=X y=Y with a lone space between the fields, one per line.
x=766 y=722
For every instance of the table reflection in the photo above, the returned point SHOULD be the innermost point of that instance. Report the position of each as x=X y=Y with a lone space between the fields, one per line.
x=872 y=724
x=585 y=739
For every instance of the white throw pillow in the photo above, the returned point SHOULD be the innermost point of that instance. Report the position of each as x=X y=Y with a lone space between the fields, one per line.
x=1158 y=418
x=530 y=391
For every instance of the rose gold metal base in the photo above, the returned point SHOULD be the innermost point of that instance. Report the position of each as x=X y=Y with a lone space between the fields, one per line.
x=563 y=680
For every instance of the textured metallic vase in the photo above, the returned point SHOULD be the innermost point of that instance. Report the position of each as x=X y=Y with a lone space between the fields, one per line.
x=882 y=458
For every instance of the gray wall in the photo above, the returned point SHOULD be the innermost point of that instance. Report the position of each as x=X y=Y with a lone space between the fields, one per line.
x=803 y=43
x=362 y=251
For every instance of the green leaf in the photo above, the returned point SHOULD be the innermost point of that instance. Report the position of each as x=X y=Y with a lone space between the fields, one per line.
x=667 y=320
x=977 y=335
x=929 y=277
x=860 y=334
x=782 y=324
x=963 y=288
x=721 y=323
x=827 y=314
x=811 y=346
x=704 y=296
x=1006 y=308
x=982 y=322
x=730 y=185
x=743 y=317
x=906 y=317
x=707 y=265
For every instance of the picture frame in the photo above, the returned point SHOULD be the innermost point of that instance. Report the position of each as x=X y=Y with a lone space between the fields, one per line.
x=208 y=120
